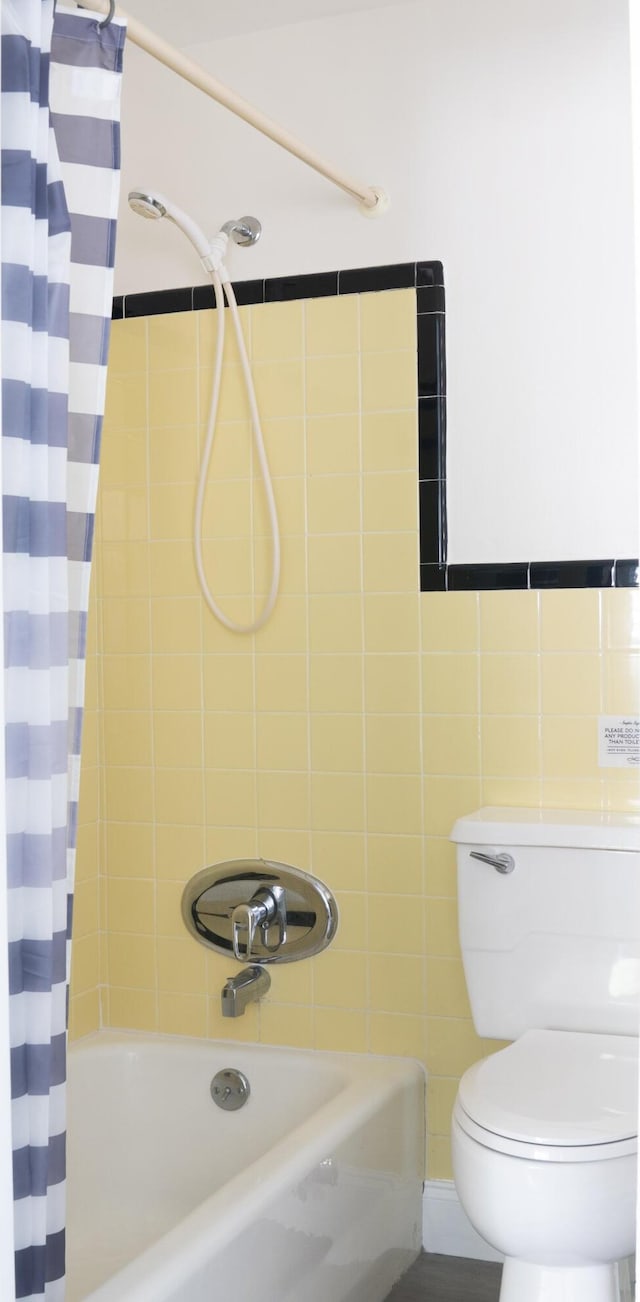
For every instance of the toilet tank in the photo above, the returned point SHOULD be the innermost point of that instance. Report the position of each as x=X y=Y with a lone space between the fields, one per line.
x=556 y=942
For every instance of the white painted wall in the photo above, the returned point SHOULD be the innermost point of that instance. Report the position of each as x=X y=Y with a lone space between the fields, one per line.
x=501 y=129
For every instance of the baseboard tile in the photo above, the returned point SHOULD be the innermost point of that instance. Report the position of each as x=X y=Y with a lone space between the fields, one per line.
x=445 y=1227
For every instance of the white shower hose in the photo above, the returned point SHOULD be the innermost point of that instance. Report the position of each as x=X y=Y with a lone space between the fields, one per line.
x=218 y=281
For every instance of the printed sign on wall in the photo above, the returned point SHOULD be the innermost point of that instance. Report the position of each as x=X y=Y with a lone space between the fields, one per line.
x=618 y=741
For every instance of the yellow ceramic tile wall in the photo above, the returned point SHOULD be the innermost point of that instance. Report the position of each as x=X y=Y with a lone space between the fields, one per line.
x=347 y=735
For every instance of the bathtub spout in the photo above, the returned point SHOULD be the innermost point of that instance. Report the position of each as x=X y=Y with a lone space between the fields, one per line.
x=238 y=991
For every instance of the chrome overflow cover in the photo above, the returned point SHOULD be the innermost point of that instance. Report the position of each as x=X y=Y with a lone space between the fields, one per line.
x=230 y=1089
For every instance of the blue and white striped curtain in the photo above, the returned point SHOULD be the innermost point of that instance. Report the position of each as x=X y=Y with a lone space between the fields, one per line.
x=60 y=81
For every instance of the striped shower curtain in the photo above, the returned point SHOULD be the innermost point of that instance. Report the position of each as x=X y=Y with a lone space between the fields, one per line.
x=60 y=81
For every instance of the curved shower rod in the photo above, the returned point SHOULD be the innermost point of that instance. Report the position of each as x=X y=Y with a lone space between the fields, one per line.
x=372 y=200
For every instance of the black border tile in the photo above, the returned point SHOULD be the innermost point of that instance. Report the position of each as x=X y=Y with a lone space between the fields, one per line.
x=158 y=302
x=472 y=578
x=429 y=273
x=432 y=438
x=117 y=308
x=430 y=299
x=367 y=280
x=247 y=293
x=283 y=289
x=433 y=578
x=626 y=574
x=432 y=380
x=571 y=574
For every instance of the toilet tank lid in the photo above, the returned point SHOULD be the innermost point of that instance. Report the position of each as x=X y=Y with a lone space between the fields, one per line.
x=585 y=829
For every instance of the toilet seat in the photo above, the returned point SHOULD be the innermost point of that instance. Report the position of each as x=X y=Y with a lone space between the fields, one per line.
x=555 y=1096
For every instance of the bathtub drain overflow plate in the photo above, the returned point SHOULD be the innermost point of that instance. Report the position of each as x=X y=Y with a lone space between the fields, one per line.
x=230 y=1089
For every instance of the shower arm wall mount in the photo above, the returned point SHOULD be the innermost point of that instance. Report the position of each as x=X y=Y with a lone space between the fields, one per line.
x=371 y=199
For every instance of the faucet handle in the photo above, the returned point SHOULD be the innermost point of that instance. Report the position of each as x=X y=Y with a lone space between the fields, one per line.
x=243 y=918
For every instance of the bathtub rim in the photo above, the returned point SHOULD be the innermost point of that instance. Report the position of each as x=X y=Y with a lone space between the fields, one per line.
x=233 y=1207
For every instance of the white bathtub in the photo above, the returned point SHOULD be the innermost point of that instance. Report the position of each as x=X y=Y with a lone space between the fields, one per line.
x=309 y=1193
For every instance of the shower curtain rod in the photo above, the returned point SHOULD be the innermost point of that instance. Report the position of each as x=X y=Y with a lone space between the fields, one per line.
x=371 y=199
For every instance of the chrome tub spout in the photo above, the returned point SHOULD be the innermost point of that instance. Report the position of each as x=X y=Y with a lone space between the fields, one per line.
x=249 y=985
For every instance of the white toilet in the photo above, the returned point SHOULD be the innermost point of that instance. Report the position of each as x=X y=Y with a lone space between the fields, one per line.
x=544 y=1132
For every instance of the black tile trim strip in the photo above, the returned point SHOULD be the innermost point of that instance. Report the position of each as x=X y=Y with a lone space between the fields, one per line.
x=436 y=575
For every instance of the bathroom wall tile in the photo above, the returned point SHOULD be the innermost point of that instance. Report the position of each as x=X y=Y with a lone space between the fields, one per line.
x=397 y=983
x=282 y=741
x=332 y=385
x=168 y=909
x=510 y=746
x=446 y=988
x=571 y=684
x=510 y=684
x=335 y=623
x=181 y=965
x=128 y=794
x=177 y=739
x=441 y=926
x=390 y=502
x=450 y=683
x=451 y=744
x=581 y=793
x=281 y=683
x=445 y=800
x=127 y=737
x=441 y=1094
x=128 y=347
x=390 y=562
x=389 y=441
x=389 y=381
x=231 y=798
x=397 y=1034
x=391 y=622
x=395 y=863
x=173 y=398
x=512 y=791
x=335 y=683
x=130 y=906
x=284 y=440
x=230 y=740
x=335 y=564
x=334 y=504
x=179 y=851
x=450 y=621
x=131 y=961
x=509 y=621
x=394 y=803
x=129 y=849
x=172 y=571
x=283 y=800
x=392 y=683
x=126 y=403
x=340 y=1030
x=173 y=455
x=453 y=1045
x=338 y=858
x=173 y=341
x=395 y=924
x=570 y=621
x=286 y=1024
x=621 y=683
x=393 y=743
x=177 y=682
x=388 y=321
x=340 y=980
x=84 y=1014
x=228 y=682
x=352 y=911
x=123 y=458
x=439 y=1157
x=277 y=331
x=227 y=509
x=333 y=445
x=337 y=743
x=133 y=1009
x=179 y=796
x=126 y=682
x=332 y=326
x=337 y=802
x=569 y=748
x=620 y=619
x=180 y=1014
x=125 y=626
x=228 y=565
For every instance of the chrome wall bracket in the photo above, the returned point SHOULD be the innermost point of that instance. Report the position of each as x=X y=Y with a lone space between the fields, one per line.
x=259 y=911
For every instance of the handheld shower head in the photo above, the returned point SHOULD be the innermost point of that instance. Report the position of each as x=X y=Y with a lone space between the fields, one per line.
x=147 y=203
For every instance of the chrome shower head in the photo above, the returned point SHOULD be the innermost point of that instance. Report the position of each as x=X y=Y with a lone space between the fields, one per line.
x=146 y=205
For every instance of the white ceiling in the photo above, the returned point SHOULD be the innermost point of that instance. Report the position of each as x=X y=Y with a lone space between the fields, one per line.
x=188 y=22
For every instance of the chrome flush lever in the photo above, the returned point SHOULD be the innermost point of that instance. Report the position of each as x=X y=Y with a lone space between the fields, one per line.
x=266 y=910
x=503 y=863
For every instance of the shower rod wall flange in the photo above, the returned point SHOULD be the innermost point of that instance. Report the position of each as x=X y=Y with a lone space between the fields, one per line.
x=371 y=199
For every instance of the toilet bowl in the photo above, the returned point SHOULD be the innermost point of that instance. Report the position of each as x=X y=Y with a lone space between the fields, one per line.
x=544 y=1132
x=544 y=1153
